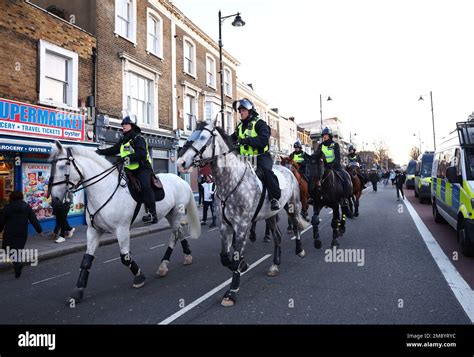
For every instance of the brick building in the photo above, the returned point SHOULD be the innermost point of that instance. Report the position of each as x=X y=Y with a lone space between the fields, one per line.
x=46 y=77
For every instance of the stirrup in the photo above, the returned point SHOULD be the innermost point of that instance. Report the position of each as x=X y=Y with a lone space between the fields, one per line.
x=274 y=204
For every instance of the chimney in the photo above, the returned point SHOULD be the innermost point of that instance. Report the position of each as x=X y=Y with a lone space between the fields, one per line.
x=275 y=110
x=250 y=85
x=292 y=118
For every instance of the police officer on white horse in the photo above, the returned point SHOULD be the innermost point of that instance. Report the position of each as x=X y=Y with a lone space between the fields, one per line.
x=133 y=148
x=252 y=135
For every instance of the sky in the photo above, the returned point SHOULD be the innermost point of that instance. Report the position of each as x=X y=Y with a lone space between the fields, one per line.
x=373 y=57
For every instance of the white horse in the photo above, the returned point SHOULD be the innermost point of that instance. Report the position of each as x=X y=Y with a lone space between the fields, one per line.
x=239 y=191
x=110 y=207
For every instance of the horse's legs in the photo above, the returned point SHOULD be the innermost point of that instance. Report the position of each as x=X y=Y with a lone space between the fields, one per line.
x=267 y=238
x=356 y=205
x=123 y=237
x=335 y=226
x=276 y=233
x=237 y=264
x=253 y=235
x=293 y=211
x=92 y=243
x=345 y=212
x=315 y=224
x=351 y=203
x=290 y=227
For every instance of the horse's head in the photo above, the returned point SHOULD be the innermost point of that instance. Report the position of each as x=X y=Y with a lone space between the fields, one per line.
x=202 y=146
x=288 y=162
x=62 y=176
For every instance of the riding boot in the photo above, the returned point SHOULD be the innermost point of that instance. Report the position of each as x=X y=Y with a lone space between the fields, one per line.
x=274 y=204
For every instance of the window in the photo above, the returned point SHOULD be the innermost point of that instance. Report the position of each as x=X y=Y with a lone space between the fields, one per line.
x=154 y=33
x=210 y=71
x=211 y=110
x=227 y=82
x=58 y=75
x=125 y=19
x=139 y=98
x=189 y=58
x=190 y=112
x=229 y=127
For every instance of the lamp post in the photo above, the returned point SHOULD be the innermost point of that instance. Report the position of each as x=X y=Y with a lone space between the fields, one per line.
x=432 y=116
x=321 y=107
x=238 y=22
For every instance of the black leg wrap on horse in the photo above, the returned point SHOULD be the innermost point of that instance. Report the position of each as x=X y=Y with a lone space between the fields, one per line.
x=87 y=261
x=231 y=295
x=134 y=268
x=334 y=223
x=243 y=266
x=225 y=261
x=185 y=245
x=277 y=256
x=167 y=255
x=298 y=248
x=315 y=220
x=125 y=259
x=82 y=281
x=234 y=285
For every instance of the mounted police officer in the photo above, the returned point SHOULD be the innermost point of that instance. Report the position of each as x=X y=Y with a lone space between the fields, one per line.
x=252 y=136
x=301 y=158
x=332 y=155
x=354 y=159
x=133 y=148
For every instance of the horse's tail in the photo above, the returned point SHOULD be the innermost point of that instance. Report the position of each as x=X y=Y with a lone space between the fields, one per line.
x=193 y=217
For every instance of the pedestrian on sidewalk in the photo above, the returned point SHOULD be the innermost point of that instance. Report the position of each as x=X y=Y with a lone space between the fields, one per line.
x=400 y=178
x=14 y=224
x=209 y=189
x=392 y=177
x=62 y=229
x=200 y=181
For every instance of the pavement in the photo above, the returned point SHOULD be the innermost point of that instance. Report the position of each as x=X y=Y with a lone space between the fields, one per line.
x=49 y=249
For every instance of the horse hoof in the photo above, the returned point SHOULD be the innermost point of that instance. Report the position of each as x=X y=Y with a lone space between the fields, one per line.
x=227 y=302
x=356 y=214
x=317 y=243
x=334 y=243
x=342 y=231
x=302 y=254
x=273 y=271
x=267 y=239
x=139 y=281
x=188 y=259
x=163 y=269
x=252 y=237
x=75 y=297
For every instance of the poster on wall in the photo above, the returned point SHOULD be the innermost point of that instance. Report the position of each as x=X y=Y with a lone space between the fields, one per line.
x=35 y=190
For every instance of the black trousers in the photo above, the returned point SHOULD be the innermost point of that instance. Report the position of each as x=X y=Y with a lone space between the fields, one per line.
x=201 y=193
x=265 y=162
x=208 y=204
x=143 y=175
x=374 y=185
x=62 y=225
x=400 y=189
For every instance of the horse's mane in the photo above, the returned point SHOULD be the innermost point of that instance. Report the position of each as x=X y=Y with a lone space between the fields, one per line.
x=227 y=138
x=82 y=151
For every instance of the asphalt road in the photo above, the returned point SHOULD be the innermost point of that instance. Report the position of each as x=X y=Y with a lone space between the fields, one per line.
x=398 y=282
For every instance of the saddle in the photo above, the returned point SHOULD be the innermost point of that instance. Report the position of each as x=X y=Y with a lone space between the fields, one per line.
x=135 y=188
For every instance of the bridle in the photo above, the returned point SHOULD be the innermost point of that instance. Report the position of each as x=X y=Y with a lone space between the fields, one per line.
x=83 y=183
x=198 y=160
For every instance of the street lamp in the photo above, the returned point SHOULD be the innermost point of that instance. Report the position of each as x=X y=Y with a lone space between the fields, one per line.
x=238 y=22
x=321 y=108
x=432 y=116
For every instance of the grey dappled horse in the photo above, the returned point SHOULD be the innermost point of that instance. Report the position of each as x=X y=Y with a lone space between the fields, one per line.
x=110 y=207
x=238 y=190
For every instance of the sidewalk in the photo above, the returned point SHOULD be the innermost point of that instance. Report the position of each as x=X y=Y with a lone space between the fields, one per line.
x=48 y=248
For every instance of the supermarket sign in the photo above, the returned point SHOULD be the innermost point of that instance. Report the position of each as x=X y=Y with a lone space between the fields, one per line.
x=22 y=118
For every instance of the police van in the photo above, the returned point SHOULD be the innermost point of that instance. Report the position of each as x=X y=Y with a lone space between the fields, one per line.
x=452 y=184
x=410 y=174
x=424 y=165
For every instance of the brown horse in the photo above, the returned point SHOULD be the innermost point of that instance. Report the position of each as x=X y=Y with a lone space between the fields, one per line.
x=354 y=172
x=304 y=190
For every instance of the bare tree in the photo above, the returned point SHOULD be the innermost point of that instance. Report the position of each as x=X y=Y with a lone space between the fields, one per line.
x=414 y=152
x=382 y=154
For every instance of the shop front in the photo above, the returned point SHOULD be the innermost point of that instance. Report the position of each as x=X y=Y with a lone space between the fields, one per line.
x=27 y=133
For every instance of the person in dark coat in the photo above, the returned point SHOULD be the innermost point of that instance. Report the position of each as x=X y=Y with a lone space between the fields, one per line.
x=62 y=229
x=374 y=178
x=399 y=181
x=14 y=224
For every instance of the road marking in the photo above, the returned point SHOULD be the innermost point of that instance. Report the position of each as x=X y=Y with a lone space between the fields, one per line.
x=111 y=260
x=157 y=246
x=458 y=285
x=213 y=229
x=53 y=277
x=207 y=295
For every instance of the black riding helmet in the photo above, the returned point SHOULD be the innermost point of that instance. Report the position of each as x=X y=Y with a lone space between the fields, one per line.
x=129 y=118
